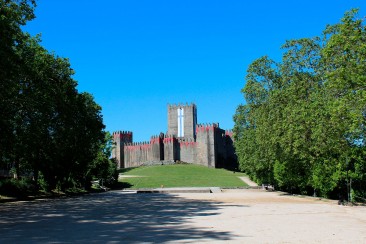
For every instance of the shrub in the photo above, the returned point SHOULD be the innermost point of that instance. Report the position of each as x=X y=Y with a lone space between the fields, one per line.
x=17 y=187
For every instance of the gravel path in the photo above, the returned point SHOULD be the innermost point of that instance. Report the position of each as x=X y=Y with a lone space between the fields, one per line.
x=248 y=181
x=234 y=216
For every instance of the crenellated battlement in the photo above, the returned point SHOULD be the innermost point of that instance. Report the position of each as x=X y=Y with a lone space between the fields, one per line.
x=138 y=145
x=206 y=127
x=180 y=105
x=156 y=139
x=123 y=136
x=229 y=133
x=187 y=142
x=170 y=139
x=122 y=132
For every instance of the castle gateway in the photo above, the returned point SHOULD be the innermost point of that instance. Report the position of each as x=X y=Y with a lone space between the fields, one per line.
x=185 y=140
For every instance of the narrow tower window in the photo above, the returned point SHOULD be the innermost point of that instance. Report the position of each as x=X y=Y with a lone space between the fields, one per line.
x=180 y=112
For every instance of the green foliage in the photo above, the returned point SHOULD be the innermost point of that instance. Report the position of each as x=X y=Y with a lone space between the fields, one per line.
x=47 y=127
x=16 y=188
x=303 y=125
x=41 y=183
x=181 y=175
x=104 y=168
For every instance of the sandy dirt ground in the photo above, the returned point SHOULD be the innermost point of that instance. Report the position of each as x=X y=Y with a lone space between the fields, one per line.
x=256 y=216
x=234 y=216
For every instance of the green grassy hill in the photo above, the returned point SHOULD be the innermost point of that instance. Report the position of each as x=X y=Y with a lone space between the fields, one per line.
x=180 y=175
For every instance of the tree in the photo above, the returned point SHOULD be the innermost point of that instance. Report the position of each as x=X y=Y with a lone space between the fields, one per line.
x=104 y=168
x=303 y=125
x=48 y=128
x=13 y=15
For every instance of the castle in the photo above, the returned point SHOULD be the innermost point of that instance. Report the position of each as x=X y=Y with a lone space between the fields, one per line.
x=185 y=140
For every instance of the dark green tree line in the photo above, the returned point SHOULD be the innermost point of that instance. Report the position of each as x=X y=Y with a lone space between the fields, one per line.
x=303 y=125
x=48 y=129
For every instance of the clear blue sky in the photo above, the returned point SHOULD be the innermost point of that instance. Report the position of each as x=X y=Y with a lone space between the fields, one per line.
x=135 y=57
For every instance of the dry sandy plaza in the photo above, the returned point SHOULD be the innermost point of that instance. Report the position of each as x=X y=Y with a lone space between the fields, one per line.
x=232 y=216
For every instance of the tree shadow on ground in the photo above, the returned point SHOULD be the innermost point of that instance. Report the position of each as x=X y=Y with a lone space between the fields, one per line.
x=109 y=217
x=121 y=185
x=126 y=170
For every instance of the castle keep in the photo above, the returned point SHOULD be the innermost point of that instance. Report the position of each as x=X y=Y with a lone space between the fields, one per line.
x=185 y=140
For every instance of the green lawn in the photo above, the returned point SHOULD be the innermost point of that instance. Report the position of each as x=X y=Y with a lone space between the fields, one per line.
x=180 y=175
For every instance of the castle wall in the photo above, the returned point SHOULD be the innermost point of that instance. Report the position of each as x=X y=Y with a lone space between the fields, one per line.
x=206 y=154
x=170 y=148
x=156 y=146
x=220 y=146
x=138 y=153
x=231 y=157
x=188 y=151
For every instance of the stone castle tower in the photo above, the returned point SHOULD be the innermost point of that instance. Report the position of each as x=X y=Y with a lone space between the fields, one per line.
x=182 y=120
x=120 y=138
x=185 y=140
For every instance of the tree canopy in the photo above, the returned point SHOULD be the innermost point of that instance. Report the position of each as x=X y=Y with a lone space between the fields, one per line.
x=48 y=129
x=302 y=127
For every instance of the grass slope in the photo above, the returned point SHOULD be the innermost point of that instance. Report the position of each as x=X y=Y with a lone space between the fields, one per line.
x=180 y=175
